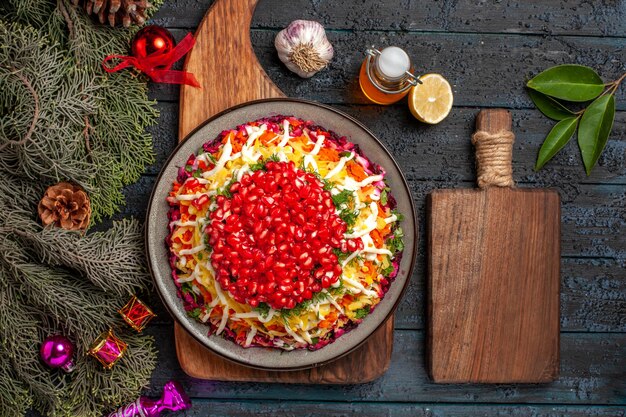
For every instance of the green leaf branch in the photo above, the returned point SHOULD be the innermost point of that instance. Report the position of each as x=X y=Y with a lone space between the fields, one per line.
x=553 y=89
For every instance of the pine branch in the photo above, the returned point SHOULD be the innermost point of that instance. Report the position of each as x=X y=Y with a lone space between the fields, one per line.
x=24 y=362
x=112 y=260
x=63 y=118
x=14 y=396
x=94 y=388
x=70 y=90
x=70 y=301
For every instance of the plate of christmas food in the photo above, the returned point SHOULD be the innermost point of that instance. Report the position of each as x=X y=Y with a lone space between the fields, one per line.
x=281 y=234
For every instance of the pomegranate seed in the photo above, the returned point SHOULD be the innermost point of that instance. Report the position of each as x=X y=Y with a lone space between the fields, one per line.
x=281 y=225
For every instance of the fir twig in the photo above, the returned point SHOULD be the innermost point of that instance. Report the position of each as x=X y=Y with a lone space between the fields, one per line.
x=63 y=118
x=31 y=128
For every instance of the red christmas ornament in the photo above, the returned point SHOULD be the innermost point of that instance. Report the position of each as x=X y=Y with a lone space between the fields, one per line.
x=153 y=53
x=152 y=40
x=136 y=313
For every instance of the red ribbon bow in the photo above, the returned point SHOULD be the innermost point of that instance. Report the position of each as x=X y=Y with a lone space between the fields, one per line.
x=158 y=67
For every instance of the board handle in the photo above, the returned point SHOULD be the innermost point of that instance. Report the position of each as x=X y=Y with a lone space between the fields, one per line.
x=493 y=141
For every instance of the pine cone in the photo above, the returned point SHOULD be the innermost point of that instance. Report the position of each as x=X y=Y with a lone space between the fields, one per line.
x=65 y=205
x=116 y=12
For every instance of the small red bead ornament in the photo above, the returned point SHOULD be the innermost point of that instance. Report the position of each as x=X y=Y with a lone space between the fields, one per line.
x=108 y=349
x=152 y=41
x=154 y=52
x=136 y=313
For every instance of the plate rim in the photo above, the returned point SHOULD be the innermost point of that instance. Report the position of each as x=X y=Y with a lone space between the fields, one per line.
x=186 y=325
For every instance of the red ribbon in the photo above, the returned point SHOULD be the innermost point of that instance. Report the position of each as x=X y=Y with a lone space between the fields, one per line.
x=158 y=67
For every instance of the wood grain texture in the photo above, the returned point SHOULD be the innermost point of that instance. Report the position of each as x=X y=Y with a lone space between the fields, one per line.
x=551 y=17
x=206 y=408
x=493 y=304
x=485 y=70
x=493 y=280
x=592 y=369
x=225 y=64
x=197 y=362
x=488 y=50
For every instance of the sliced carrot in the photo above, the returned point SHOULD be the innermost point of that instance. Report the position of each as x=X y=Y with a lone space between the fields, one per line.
x=330 y=319
x=382 y=210
x=328 y=154
x=377 y=238
x=267 y=137
x=347 y=300
x=235 y=140
x=356 y=171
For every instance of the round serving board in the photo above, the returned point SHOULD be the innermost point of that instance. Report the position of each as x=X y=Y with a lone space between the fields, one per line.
x=225 y=64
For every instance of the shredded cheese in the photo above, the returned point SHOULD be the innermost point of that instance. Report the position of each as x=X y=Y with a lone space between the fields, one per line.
x=192 y=251
x=340 y=165
x=224 y=157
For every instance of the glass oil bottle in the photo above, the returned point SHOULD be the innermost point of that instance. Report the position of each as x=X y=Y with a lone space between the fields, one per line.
x=386 y=76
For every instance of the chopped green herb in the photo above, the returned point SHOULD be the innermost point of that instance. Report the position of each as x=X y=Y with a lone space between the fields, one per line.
x=315 y=340
x=257 y=166
x=349 y=216
x=384 y=196
x=362 y=312
x=341 y=256
x=345 y=154
x=337 y=290
x=188 y=168
x=187 y=288
x=387 y=271
x=225 y=191
x=263 y=309
x=396 y=244
x=197 y=173
x=195 y=313
x=344 y=197
x=328 y=185
x=300 y=308
x=274 y=157
x=399 y=215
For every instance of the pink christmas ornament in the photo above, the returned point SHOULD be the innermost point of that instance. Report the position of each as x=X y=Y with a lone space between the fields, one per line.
x=173 y=399
x=57 y=351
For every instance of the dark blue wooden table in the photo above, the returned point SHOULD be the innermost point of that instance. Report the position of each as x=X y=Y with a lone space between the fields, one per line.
x=487 y=50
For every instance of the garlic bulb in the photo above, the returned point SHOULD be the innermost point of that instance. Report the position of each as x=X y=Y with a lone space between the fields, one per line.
x=303 y=47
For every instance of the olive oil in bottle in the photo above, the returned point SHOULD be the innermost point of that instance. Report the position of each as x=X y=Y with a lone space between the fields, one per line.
x=386 y=76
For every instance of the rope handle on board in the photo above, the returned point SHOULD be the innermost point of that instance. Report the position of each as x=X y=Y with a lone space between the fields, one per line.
x=493 y=141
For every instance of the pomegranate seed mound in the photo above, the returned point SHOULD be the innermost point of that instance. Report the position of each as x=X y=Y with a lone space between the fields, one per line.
x=282 y=234
x=273 y=240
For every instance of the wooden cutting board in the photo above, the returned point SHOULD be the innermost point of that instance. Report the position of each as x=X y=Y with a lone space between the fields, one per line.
x=494 y=265
x=224 y=63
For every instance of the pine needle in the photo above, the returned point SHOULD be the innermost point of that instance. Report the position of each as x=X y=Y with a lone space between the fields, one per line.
x=62 y=118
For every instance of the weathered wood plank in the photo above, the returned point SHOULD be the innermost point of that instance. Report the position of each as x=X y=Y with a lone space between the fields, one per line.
x=593 y=298
x=594 y=223
x=444 y=152
x=484 y=69
x=591 y=372
x=553 y=17
x=204 y=408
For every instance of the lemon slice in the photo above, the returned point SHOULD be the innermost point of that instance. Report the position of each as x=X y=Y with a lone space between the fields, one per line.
x=431 y=101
